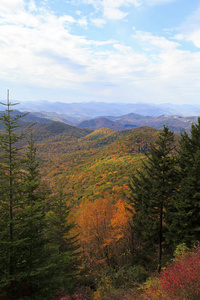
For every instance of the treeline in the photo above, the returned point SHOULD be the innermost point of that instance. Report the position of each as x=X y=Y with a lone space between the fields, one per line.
x=125 y=240
x=165 y=198
x=38 y=254
x=162 y=215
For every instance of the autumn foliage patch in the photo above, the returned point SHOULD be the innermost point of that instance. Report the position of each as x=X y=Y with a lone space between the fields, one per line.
x=79 y=294
x=180 y=280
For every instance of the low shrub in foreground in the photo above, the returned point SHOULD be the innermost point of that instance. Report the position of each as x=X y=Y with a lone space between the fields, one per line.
x=179 y=281
x=79 y=294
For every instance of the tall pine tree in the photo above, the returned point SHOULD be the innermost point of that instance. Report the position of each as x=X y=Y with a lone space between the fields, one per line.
x=185 y=215
x=34 y=265
x=36 y=259
x=151 y=193
x=61 y=237
x=11 y=174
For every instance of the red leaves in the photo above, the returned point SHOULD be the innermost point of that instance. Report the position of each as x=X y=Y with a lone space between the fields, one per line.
x=183 y=277
x=79 y=294
x=180 y=280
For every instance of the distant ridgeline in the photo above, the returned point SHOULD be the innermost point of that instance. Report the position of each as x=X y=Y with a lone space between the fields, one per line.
x=121 y=122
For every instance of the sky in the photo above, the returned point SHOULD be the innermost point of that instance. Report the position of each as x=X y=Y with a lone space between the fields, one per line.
x=100 y=50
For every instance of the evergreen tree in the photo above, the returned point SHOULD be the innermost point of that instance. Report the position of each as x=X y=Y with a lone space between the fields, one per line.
x=47 y=261
x=11 y=164
x=185 y=215
x=61 y=238
x=36 y=260
x=33 y=265
x=151 y=193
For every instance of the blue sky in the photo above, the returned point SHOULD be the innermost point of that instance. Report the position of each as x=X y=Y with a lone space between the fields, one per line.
x=100 y=50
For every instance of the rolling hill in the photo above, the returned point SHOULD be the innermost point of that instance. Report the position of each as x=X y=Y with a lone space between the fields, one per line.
x=97 y=164
x=104 y=122
x=176 y=123
x=89 y=163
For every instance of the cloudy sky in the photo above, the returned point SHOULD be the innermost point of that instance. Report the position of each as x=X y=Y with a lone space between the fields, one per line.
x=100 y=50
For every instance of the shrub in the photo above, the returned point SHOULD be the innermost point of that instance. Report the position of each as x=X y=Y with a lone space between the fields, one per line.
x=180 y=280
x=79 y=294
x=130 y=276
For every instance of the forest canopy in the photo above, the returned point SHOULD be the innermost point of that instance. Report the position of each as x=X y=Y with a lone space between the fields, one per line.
x=97 y=210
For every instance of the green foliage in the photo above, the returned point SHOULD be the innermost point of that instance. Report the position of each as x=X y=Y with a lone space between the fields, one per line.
x=181 y=250
x=60 y=237
x=10 y=197
x=36 y=263
x=151 y=193
x=88 y=164
x=116 y=284
x=185 y=213
x=39 y=253
x=130 y=276
x=96 y=165
x=33 y=266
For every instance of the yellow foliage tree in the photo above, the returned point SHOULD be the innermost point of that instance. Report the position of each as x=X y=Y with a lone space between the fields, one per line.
x=104 y=232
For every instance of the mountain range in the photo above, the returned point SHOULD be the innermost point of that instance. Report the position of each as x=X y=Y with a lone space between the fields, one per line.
x=115 y=116
x=130 y=121
x=76 y=112
x=91 y=163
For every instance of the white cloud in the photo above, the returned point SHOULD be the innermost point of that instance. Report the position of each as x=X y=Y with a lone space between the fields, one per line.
x=122 y=48
x=158 y=2
x=99 y=43
x=11 y=5
x=32 y=6
x=153 y=41
x=193 y=37
x=119 y=3
x=83 y=22
x=172 y=69
x=117 y=9
x=78 y=12
x=98 y=22
x=114 y=13
x=189 y=30
x=38 y=49
x=67 y=19
x=113 y=9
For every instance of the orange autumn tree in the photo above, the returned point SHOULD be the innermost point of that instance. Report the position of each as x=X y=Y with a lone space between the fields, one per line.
x=120 y=222
x=104 y=232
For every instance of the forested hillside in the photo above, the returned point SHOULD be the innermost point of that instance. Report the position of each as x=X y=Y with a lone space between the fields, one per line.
x=97 y=164
x=95 y=209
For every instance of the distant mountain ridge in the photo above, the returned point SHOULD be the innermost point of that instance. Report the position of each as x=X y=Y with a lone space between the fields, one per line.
x=98 y=123
x=130 y=121
x=76 y=112
x=115 y=116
